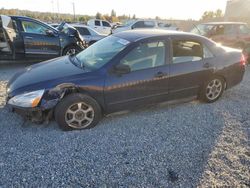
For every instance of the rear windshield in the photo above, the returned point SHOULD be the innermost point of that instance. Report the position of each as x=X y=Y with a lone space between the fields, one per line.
x=202 y=29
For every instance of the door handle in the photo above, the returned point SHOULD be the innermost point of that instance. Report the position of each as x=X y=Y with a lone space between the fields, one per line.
x=30 y=38
x=160 y=75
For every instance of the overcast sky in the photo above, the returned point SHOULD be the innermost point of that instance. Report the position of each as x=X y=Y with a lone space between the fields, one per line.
x=176 y=9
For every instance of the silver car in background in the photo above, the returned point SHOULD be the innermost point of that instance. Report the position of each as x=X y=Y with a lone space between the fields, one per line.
x=89 y=35
x=143 y=24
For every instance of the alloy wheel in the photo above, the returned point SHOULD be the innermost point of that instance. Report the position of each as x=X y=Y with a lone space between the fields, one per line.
x=214 y=89
x=79 y=115
x=71 y=51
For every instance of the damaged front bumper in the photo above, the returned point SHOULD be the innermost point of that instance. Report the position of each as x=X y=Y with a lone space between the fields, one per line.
x=35 y=115
x=40 y=114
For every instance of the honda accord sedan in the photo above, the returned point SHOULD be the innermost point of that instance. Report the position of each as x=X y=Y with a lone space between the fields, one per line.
x=121 y=72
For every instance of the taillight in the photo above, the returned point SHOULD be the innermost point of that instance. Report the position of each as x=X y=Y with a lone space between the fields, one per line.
x=243 y=60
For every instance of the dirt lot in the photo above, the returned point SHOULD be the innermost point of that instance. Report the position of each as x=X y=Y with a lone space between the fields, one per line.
x=185 y=145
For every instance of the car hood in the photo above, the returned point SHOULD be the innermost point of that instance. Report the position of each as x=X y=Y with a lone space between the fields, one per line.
x=45 y=73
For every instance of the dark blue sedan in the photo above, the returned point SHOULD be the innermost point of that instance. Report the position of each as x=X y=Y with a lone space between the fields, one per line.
x=123 y=71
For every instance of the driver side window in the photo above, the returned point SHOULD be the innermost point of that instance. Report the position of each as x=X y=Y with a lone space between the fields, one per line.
x=145 y=56
x=32 y=27
x=139 y=24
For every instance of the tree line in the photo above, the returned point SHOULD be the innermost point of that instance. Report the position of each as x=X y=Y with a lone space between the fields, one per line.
x=55 y=17
x=112 y=17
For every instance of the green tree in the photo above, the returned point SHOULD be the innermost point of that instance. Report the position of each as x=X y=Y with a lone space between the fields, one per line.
x=113 y=13
x=210 y=15
x=98 y=15
x=157 y=18
x=218 y=13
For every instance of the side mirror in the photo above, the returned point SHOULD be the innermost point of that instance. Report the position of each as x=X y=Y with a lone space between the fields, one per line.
x=121 y=69
x=50 y=33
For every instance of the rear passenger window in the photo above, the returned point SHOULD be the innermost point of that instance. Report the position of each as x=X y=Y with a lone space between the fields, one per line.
x=139 y=24
x=207 y=53
x=146 y=55
x=97 y=23
x=220 y=30
x=229 y=29
x=186 y=51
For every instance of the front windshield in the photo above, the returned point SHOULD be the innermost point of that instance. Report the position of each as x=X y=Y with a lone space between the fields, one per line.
x=101 y=52
x=202 y=29
x=64 y=28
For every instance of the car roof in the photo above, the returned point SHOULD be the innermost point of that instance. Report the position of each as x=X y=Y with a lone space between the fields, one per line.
x=135 y=35
x=21 y=17
x=79 y=25
x=223 y=23
x=85 y=26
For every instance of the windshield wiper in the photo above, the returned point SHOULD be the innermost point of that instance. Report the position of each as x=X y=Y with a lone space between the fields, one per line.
x=78 y=63
x=81 y=62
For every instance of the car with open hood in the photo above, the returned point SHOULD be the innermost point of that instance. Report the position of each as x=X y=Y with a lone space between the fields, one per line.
x=26 y=39
x=89 y=35
x=232 y=34
x=124 y=71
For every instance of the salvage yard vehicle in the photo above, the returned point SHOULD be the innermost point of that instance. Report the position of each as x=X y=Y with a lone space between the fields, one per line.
x=89 y=35
x=232 y=34
x=101 y=26
x=124 y=71
x=143 y=24
x=27 y=39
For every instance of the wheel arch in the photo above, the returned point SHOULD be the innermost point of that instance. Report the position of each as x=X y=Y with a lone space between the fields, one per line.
x=65 y=89
x=67 y=46
x=223 y=77
x=220 y=75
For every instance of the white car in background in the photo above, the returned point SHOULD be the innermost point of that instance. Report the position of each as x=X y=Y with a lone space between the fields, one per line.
x=89 y=35
x=101 y=26
x=143 y=24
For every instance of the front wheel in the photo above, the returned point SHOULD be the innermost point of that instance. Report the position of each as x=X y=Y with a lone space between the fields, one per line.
x=77 y=111
x=213 y=89
x=71 y=50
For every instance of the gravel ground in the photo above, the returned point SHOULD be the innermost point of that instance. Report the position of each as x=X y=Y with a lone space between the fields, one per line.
x=183 y=145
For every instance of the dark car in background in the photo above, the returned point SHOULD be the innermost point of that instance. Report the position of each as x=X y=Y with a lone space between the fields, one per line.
x=124 y=71
x=232 y=34
x=27 y=39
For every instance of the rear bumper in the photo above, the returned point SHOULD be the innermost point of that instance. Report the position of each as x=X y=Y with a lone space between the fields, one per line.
x=235 y=77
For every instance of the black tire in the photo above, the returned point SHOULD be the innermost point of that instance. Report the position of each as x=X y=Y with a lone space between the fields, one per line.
x=205 y=94
x=67 y=50
x=74 y=99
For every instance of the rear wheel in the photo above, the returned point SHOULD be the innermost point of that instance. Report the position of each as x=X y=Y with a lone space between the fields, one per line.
x=246 y=52
x=213 y=89
x=77 y=111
